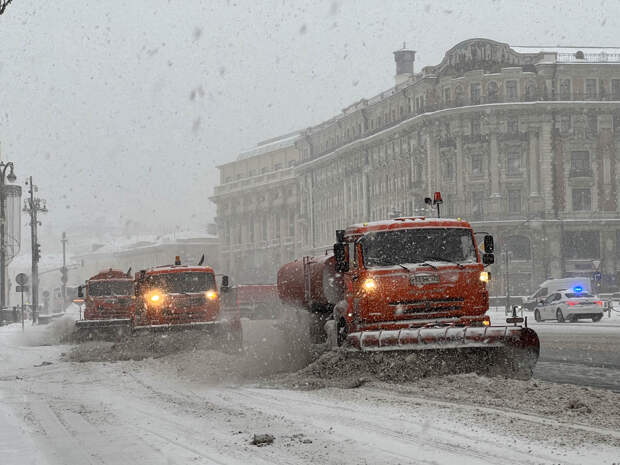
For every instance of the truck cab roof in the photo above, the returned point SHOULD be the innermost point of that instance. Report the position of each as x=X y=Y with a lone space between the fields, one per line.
x=405 y=223
x=110 y=274
x=166 y=269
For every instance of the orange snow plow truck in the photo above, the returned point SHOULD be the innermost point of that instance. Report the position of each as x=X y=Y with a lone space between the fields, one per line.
x=108 y=305
x=409 y=284
x=180 y=297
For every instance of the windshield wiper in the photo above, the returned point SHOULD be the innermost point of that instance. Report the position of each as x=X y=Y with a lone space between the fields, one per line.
x=441 y=259
x=422 y=263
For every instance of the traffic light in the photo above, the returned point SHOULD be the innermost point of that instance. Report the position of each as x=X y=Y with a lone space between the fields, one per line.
x=36 y=253
x=63 y=275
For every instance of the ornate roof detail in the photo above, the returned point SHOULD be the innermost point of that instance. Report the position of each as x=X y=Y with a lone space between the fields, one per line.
x=482 y=54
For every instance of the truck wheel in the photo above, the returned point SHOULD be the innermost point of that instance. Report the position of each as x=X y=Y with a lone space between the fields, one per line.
x=559 y=315
x=342 y=333
x=537 y=316
x=597 y=318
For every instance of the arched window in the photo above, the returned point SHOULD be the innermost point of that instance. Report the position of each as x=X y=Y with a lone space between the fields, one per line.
x=564 y=89
x=530 y=92
x=459 y=96
x=519 y=247
x=492 y=92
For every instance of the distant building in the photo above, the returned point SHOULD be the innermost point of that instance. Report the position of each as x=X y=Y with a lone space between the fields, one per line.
x=145 y=252
x=257 y=210
x=522 y=141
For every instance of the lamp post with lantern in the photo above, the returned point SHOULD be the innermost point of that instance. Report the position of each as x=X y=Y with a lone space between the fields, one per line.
x=10 y=177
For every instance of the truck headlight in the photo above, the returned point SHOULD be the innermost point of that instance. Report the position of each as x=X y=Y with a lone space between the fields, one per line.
x=155 y=298
x=485 y=276
x=369 y=285
x=211 y=295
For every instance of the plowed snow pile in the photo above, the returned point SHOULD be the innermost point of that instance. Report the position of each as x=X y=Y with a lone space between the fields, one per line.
x=350 y=369
x=269 y=347
x=410 y=377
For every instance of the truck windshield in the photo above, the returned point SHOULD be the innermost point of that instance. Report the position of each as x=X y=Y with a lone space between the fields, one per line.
x=101 y=288
x=395 y=247
x=182 y=282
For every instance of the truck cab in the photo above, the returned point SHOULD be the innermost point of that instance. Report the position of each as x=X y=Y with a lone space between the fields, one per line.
x=108 y=295
x=411 y=272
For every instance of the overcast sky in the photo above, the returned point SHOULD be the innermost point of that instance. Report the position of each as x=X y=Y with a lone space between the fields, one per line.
x=121 y=109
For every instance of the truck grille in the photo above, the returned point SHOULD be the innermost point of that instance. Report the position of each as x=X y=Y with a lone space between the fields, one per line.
x=442 y=304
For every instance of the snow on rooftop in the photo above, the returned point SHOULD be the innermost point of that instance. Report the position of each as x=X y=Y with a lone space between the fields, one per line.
x=120 y=244
x=271 y=145
x=569 y=54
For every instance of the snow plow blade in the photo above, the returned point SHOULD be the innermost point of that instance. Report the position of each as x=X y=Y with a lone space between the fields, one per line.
x=202 y=326
x=113 y=329
x=508 y=350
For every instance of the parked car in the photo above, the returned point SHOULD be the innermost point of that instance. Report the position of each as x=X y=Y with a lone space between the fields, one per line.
x=551 y=286
x=567 y=305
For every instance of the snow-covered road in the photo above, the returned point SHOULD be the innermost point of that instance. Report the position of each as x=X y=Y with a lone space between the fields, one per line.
x=157 y=411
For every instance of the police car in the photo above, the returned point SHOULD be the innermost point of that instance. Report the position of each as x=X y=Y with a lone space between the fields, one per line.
x=569 y=305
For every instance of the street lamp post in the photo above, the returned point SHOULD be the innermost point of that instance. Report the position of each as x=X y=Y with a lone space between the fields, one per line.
x=4 y=167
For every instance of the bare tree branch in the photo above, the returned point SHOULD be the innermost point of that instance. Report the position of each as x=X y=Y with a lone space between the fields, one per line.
x=3 y=5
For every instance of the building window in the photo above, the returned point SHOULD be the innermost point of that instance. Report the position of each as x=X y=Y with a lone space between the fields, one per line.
x=475 y=94
x=592 y=125
x=477 y=204
x=582 y=245
x=446 y=96
x=475 y=126
x=530 y=92
x=476 y=164
x=519 y=247
x=512 y=126
x=580 y=164
x=565 y=124
x=590 y=88
x=513 y=160
x=615 y=89
x=511 y=90
x=447 y=168
x=492 y=92
x=514 y=201
x=564 y=89
x=582 y=200
x=458 y=96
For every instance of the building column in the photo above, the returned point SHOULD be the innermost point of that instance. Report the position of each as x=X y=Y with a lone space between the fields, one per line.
x=546 y=165
x=459 y=201
x=365 y=207
x=494 y=174
x=533 y=163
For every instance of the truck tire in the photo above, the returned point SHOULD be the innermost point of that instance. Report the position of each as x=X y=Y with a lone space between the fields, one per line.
x=537 y=316
x=597 y=318
x=559 y=315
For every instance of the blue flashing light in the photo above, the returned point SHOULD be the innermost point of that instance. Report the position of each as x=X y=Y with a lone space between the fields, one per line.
x=577 y=289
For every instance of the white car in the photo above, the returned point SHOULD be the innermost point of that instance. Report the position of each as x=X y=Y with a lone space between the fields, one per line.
x=568 y=305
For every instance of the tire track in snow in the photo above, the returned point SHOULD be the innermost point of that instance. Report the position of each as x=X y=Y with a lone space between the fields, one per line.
x=359 y=429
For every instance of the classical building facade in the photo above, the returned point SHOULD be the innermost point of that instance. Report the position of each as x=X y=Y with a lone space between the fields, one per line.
x=524 y=142
x=257 y=210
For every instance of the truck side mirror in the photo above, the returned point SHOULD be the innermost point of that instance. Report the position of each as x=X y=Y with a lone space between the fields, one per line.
x=225 y=283
x=489 y=246
x=488 y=258
x=81 y=291
x=340 y=254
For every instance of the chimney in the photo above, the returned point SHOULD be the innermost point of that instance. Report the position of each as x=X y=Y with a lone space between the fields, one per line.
x=404 y=64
